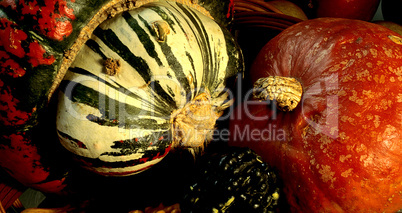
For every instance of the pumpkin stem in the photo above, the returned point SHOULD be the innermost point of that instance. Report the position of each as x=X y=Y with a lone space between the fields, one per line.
x=286 y=91
x=194 y=124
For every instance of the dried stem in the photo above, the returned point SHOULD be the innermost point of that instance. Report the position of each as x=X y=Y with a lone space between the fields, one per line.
x=286 y=91
x=193 y=124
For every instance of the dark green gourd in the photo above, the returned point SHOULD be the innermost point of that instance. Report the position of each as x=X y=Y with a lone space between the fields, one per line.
x=233 y=181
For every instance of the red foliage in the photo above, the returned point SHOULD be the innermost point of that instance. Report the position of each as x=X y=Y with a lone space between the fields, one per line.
x=53 y=19
x=35 y=54
x=10 y=115
x=11 y=38
x=9 y=66
x=21 y=159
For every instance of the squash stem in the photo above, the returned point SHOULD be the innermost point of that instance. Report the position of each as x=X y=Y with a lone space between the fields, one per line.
x=286 y=91
x=193 y=125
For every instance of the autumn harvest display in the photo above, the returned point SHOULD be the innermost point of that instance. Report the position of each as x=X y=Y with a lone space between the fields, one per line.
x=200 y=106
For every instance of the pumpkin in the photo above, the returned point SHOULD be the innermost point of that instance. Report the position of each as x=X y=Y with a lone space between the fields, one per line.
x=39 y=41
x=148 y=79
x=325 y=111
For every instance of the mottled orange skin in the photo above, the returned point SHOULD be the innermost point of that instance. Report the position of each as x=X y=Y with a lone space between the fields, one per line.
x=340 y=150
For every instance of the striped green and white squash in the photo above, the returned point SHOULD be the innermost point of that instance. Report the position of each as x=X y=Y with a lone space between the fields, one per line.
x=148 y=79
